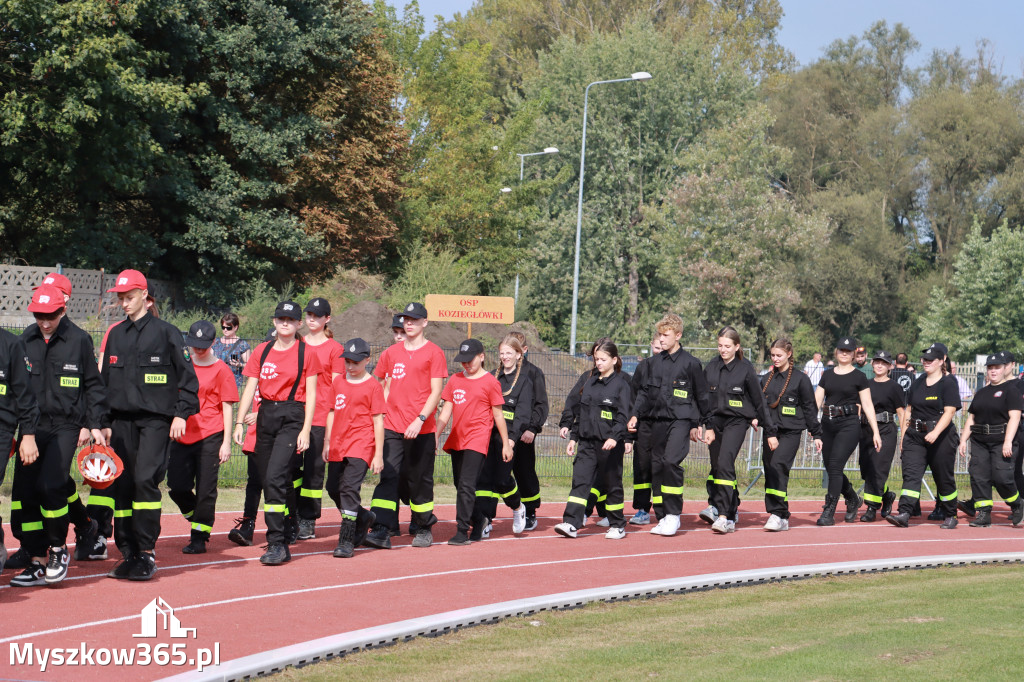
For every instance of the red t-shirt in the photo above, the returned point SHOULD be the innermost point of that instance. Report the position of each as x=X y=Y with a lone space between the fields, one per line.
x=354 y=407
x=277 y=375
x=410 y=372
x=216 y=387
x=250 y=434
x=472 y=418
x=329 y=354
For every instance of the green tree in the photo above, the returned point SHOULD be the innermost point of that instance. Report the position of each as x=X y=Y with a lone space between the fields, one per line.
x=981 y=312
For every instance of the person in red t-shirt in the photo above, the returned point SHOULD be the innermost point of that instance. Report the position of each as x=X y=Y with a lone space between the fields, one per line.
x=355 y=443
x=286 y=377
x=416 y=370
x=473 y=403
x=195 y=458
x=310 y=473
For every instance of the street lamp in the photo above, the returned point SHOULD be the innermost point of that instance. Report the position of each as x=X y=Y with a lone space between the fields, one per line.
x=506 y=190
x=638 y=76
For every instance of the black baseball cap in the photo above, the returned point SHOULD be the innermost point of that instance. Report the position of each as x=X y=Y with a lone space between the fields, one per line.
x=1007 y=356
x=356 y=350
x=934 y=352
x=846 y=343
x=201 y=335
x=415 y=310
x=396 y=322
x=469 y=349
x=884 y=356
x=289 y=309
x=319 y=307
x=995 y=359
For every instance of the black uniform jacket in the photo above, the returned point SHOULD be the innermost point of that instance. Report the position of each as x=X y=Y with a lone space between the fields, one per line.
x=518 y=406
x=147 y=370
x=797 y=410
x=539 y=411
x=65 y=378
x=597 y=408
x=673 y=387
x=18 y=406
x=736 y=392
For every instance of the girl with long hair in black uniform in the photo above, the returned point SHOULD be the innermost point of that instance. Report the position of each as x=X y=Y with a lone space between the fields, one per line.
x=930 y=437
x=875 y=463
x=736 y=403
x=790 y=399
x=839 y=392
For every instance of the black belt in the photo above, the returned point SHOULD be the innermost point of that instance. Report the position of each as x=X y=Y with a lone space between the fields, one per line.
x=987 y=429
x=839 y=411
x=923 y=427
x=881 y=418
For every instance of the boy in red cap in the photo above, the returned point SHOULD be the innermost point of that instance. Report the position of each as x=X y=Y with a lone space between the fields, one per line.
x=152 y=390
x=71 y=399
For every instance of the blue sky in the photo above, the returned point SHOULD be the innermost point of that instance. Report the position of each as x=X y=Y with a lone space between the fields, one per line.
x=810 y=25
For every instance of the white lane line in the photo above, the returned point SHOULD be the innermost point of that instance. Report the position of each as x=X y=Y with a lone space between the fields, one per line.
x=463 y=571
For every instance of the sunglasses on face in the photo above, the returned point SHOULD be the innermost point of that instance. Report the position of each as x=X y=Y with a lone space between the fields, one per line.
x=226 y=327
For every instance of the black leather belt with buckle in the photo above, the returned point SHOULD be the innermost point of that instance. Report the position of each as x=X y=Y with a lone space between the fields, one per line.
x=987 y=429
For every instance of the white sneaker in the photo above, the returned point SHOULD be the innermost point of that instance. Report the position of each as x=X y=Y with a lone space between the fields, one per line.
x=709 y=515
x=776 y=523
x=668 y=525
x=730 y=526
x=519 y=519
x=603 y=522
x=615 y=533
x=721 y=525
x=566 y=529
x=487 y=531
x=584 y=524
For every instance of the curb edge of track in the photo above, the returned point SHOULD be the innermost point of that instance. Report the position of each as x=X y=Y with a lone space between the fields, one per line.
x=327 y=648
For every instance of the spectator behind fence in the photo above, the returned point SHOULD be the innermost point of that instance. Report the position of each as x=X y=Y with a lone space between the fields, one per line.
x=231 y=349
x=813 y=369
x=961 y=384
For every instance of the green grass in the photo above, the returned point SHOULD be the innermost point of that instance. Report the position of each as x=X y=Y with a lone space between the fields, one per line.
x=911 y=624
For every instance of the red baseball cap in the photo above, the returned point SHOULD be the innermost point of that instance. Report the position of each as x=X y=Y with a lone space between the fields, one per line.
x=128 y=280
x=58 y=280
x=46 y=299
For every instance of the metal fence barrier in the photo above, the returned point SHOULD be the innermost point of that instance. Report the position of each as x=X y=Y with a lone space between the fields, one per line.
x=561 y=372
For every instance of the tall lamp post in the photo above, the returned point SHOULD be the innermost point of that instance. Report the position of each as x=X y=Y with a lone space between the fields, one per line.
x=506 y=190
x=638 y=76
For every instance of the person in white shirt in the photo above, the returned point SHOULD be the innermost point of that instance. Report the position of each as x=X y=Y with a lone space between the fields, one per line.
x=814 y=369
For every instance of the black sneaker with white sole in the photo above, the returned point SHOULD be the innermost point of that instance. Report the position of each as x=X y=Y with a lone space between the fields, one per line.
x=531 y=522
x=57 y=565
x=99 y=549
x=123 y=568
x=85 y=541
x=35 y=574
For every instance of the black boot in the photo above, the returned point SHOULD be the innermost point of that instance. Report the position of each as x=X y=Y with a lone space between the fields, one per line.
x=853 y=503
x=243 y=531
x=364 y=520
x=1017 y=512
x=938 y=514
x=887 y=501
x=291 y=529
x=869 y=514
x=966 y=506
x=982 y=518
x=828 y=512
x=916 y=511
x=900 y=519
x=346 y=536
x=196 y=543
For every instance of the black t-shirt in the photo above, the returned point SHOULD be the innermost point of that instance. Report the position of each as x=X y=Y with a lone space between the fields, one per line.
x=903 y=378
x=992 y=404
x=886 y=396
x=843 y=389
x=927 y=402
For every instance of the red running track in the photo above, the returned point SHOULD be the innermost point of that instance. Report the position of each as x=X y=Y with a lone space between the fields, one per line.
x=246 y=608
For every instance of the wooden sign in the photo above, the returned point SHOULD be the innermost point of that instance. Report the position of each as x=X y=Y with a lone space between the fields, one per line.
x=488 y=309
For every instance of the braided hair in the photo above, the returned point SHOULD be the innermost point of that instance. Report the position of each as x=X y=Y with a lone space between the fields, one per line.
x=513 y=343
x=785 y=345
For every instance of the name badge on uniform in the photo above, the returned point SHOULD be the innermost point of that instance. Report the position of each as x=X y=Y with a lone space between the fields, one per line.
x=789 y=411
x=607 y=414
x=69 y=382
x=508 y=414
x=931 y=397
x=68 y=367
x=3 y=389
x=680 y=393
x=735 y=403
x=155 y=378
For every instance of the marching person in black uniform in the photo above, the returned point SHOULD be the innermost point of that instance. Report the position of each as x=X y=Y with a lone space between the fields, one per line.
x=887 y=399
x=790 y=399
x=991 y=427
x=642 y=446
x=19 y=412
x=151 y=390
x=524 y=461
x=597 y=441
x=71 y=398
x=674 y=399
x=736 y=400
x=840 y=390
x=930 y=437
